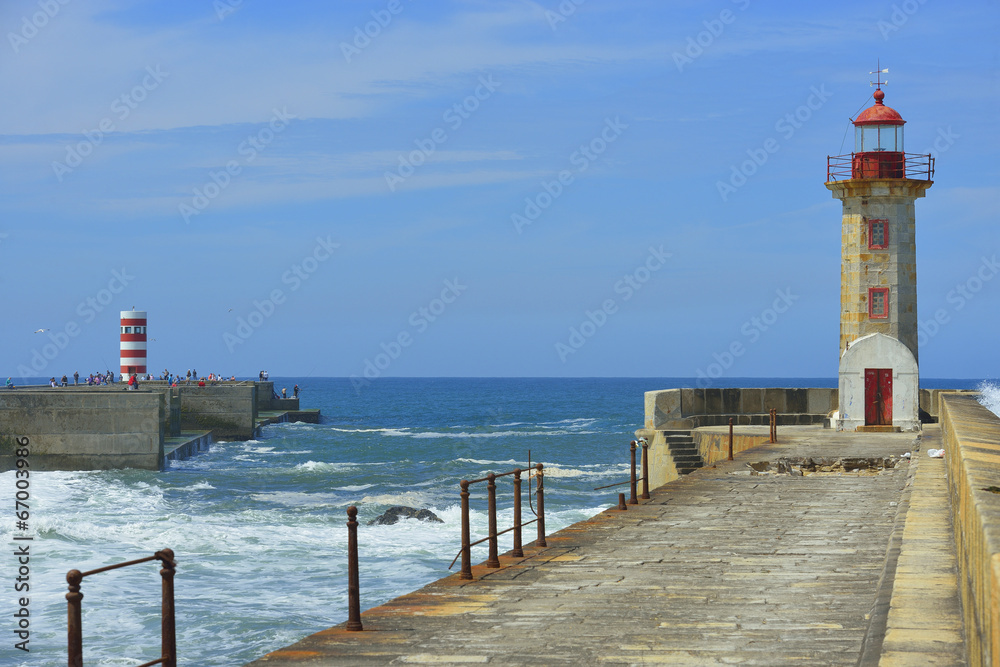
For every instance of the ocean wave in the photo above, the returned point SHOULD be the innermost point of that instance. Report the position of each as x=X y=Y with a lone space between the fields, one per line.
x=495 y=434
x=407 y=498
x=389 y=432
x=989 y=396
x=509 y=462
x=324 y=466
x=355 y=487
x=200 y=486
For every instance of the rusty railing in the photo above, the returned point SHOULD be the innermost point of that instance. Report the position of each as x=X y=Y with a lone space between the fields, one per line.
x=353 y=580
x=774 y=425
x=876 y=164
x=493 y=560
x=632 y=481
x=730 y=439
x=168 y=656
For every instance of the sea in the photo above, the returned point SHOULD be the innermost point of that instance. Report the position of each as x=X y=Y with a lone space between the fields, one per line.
x=259 y=526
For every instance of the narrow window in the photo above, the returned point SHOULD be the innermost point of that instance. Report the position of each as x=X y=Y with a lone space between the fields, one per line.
x=127 y=330
x=878 y=234
x=878 y=303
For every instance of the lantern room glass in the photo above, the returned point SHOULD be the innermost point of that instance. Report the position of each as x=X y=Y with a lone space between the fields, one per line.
x=870 y=138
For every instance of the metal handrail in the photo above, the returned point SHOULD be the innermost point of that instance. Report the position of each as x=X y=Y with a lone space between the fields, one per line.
x=633 y=445
x=918 y=166
x=168 y=636
x=493 y=561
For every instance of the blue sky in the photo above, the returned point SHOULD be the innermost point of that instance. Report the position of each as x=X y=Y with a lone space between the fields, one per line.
x=472 y=188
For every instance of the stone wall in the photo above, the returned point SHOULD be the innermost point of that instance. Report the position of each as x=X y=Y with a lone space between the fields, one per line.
x=971 y=436
x=80 y=429
x=691 y=408
x=228 y=410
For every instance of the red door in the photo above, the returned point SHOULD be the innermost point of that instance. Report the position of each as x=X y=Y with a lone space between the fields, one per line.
x=878 y=396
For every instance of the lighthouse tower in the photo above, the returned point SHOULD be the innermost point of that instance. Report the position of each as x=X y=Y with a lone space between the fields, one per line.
x=878 y=184
x=133 y=342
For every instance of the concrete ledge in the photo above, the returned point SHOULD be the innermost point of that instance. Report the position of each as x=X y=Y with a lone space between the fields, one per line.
x=971 y=437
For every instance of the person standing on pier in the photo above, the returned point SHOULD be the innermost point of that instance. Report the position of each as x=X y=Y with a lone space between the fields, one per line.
x=76 y=377
x=295 y=391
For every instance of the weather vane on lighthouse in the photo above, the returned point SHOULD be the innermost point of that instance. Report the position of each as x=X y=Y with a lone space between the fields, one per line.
x=878 y=82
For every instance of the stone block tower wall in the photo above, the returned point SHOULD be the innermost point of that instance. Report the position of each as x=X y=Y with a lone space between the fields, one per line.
x=865 y=264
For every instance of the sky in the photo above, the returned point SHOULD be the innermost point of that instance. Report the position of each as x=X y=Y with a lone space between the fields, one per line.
x=478 y=188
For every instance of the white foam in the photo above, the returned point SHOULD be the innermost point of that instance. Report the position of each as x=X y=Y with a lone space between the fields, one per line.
x=990 y=396
x=200 y=486
x=321 y=466
x=495 y=434
x=407 y=498
x=356 y=487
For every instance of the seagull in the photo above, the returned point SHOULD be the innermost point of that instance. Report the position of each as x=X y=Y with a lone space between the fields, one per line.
x=41 y=330
x=230 y=310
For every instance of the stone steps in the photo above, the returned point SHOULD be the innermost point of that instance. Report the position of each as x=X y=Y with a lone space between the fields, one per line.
x=683 y=451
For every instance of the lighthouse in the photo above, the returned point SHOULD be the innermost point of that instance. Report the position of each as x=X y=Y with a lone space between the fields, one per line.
x=133 y=342
x=878 y=184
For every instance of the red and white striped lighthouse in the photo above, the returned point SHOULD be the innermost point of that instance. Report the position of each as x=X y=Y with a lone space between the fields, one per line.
x=133 y=342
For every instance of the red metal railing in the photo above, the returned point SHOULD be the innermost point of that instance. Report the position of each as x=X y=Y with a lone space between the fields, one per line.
x=493 y=560
x=876 y=164
x=168 y=656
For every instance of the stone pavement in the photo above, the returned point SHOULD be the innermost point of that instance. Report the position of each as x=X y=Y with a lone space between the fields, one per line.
x=719 y=567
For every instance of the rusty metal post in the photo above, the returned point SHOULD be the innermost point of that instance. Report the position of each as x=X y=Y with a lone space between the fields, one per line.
x=73 y=598
x=168 y=629
x=540 y=498
x=621 y=502
x=774 y=424
x=466 y=539
x=730 y=438
x=491 y=488
x=645 y=469
x=353 y=580
x=631 y=498
x=517 y=551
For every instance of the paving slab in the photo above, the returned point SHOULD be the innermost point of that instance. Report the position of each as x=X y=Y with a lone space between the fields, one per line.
x=718 y=567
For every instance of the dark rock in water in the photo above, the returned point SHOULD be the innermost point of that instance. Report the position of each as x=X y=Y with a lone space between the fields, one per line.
x=394 y=514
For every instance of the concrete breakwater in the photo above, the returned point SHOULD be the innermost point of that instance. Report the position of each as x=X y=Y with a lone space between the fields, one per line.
x=108 y=427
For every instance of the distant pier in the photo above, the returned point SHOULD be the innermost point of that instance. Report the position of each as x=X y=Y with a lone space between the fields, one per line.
x=110 y=427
